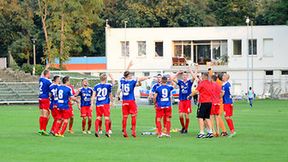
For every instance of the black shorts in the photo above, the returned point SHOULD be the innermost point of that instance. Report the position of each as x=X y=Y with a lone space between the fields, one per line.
x=204 y=110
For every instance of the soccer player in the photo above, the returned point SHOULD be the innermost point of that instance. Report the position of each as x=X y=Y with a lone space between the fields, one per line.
x=44 y=101
x=104 y=98
x=85 y=93
x=215 y=109
x=129 y=107
x=185 y=107
x=250 y=95
x=205 y=103
x=64 y=94
x=54 y=101
x=162 y=98
x=228 y=103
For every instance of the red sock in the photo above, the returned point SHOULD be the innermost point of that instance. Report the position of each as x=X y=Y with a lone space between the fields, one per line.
x=168 y=127
x=100 y=124
x=71 y=121
x=133 y=122
x=41 y=123
x=110 y=125
x=64 y=126
x=45 y=122
x=230 y=124
x=182 y=122
x=107 y=125
x=53 y=126
x=124 y=124
x=89 y=124
x=97 y=123
x=164 y=121
x=187 y=123
x=159 y=127
x=83 y=124
x=57 y=127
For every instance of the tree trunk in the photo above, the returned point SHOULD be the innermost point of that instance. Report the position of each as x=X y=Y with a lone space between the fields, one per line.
x=62 y=37
x=43 y=19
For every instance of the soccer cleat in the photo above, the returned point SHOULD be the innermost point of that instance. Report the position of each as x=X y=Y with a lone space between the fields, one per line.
x=209 y=135
x=125 y=134
x=44 y=133
x=168 y=135
x=40 y=132
x=185 y=131
x=134 y=135
x=224 y=134
x=52 y=133
x=232 y=134
x=200 y=136
x=107 y=135
x=84 y=132
x=59 y=135
x=182 y=130
x=160 y=136
x=216 y=135
x=71 y=131
x=97 y=135
x=89 y=132
x=100 y=132
x=110 y=131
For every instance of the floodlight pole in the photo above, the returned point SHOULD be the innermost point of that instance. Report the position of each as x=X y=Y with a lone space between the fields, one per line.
x=125 y=39
x=247 y=22
x=34 y=56
x=252 y=49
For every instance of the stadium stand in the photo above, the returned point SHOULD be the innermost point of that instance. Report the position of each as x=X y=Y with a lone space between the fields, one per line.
x=17 y=87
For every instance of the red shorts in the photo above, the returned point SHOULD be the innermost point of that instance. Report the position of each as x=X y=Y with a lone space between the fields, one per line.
x=86 y=111
x=185 y=106
x=44 y=103
x=228 y=109
x=215 y=109
x=64 y=114
x=161 y=112
x=129 y=107
x=103 y=110
x=55 y=113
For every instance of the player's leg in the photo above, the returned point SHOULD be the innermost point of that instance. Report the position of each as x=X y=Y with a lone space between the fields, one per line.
x=84 y=118
x=228 y=108
x=133 y=112
x=200 y=116
x=250 y=102
x=181 y=116
x=167 y=114
x=159 y=115
x=107 y=119
x=125 y=113
x=89 y=115
x=221 y=122
x=71 y=119
x=188 y=110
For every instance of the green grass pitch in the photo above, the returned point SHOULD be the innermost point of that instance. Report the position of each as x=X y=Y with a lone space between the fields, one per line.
x=261 y=136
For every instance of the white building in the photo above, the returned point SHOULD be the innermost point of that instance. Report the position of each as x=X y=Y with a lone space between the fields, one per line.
x=226 y=48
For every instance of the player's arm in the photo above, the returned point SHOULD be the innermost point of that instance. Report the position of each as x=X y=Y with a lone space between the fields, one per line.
x=46 y=68
x=140 y=79
x=111 y=100
x=129 y=65
x=173 y=78
x=92 y=99
x=154 y=98
x=194 y=74
x=112 y=79
x=77 y=92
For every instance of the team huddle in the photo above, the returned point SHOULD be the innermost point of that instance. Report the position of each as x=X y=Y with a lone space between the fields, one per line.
x=213 y=92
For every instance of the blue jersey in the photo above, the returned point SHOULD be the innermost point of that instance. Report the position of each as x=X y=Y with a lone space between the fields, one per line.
x=44 y=84
x=85 y=95
x=185 y=89
x=127 y=88
x=103 y=91
x=53 y=88
x=154 y=87
x=227 y=97
x=64 y=93
x=163 y=99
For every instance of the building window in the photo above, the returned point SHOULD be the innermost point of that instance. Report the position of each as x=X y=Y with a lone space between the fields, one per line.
x=123 y=49
x=252 y=46
x=269 y=72
x=146 y=73
x=268 y=47
x=182 y=49
x=158 y=49
x=284 y=72
x=219 y=49
x=141 y=48
x=237 y=47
